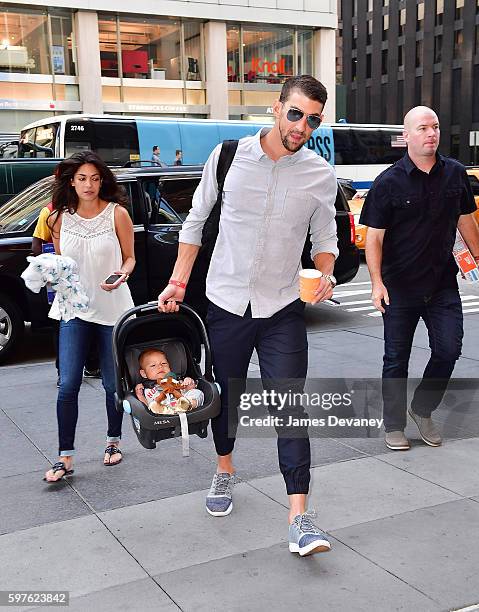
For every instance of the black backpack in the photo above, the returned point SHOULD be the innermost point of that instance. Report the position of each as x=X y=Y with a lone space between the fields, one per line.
x=212 y=224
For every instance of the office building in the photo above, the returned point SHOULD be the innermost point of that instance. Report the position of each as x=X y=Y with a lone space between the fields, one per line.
x=215 y=59
x=397 y=54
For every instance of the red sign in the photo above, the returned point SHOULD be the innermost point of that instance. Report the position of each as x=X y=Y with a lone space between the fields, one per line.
x=261 y=65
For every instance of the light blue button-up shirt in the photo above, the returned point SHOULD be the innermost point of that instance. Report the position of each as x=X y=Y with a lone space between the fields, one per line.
x=267 y=210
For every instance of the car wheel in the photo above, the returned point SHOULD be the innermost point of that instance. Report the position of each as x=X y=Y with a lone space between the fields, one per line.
x=11 y=326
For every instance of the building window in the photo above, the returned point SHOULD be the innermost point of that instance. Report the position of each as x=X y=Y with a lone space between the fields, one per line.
x=455 y=146
x=150 y=48
x=458 y=44
x=385 y=2
x=402 y=22
x=370 y=5
x=384 y=61
x=354 y=36
x=437 y=49
x=108 y=46
x=420 y=17
x=193 y=54
x=418 y=53
x=439 y=12
x=233 y=53
x=369 y=32
x=459 y=9
x=368 y=65
x=417 y=91
x=385 y=26
x=355 y=8
x=24 y=42
x=147 y=48
x=267 y=54
x=305 y=52
x=62 y=56
x=401 y=57
x=354 y=65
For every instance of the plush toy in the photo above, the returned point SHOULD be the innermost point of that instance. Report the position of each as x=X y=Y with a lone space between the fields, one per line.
x=170 y=400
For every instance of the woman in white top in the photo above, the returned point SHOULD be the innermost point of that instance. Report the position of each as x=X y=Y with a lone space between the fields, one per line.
x=90 y=226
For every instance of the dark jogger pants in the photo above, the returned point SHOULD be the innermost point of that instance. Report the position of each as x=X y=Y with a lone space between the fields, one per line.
x=281 y=345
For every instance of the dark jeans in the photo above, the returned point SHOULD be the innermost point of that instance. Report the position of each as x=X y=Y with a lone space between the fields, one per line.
x=76 y=336
x=442 y=314
x=282 y=348
x=92 y=362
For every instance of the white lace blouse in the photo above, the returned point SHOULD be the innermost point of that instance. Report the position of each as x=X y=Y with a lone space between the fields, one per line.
x=95 y=247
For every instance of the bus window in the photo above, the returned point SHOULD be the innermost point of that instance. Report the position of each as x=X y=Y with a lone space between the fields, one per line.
x=342 y=145
x=130 y=188
x=115 y=142
x=26 y=143
x=45 y=140
x=157 y=210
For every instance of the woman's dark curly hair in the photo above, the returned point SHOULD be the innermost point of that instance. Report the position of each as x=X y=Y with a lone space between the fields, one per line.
x=64 y=195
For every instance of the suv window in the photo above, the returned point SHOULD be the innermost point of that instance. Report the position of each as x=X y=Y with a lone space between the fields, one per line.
x=157 y=209
x=178 y=194
x=21 y=211
x=133 y=204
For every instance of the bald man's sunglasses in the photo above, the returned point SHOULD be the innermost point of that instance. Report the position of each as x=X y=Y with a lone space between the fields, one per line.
x=294 y=114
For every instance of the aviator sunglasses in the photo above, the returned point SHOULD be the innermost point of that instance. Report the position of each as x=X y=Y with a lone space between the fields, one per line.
x=294 y=114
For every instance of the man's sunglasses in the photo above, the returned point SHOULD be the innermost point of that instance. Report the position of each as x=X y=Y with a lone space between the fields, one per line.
x=294 y=114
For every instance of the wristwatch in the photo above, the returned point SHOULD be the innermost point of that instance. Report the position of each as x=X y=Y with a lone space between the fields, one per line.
x=331 y=280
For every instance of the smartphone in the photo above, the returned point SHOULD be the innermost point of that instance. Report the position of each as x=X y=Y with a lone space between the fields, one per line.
x=113 y=279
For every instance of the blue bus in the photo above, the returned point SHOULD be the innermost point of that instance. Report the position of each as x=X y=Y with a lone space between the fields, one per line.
x=359 y=152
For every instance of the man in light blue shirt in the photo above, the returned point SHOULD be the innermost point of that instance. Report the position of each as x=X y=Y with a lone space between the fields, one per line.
x=275 y=191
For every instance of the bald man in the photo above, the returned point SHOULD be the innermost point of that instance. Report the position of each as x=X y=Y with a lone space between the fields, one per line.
x=412 y=212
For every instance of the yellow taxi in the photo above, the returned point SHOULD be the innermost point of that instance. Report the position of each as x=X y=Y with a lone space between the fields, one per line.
x=356 y=205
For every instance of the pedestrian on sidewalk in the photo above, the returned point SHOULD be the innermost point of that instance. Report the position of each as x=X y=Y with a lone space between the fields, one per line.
x=42 y=239
x=412 y=212
x=275 y=190
x=89 y=225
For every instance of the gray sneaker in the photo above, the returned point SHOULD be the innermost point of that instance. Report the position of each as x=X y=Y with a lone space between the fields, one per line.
x=305 y=538
x=219 y=501
x=396 y=440
x=427 y=429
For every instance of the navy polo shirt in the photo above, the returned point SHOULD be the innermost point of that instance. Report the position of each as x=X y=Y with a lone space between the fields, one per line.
x=419 y=212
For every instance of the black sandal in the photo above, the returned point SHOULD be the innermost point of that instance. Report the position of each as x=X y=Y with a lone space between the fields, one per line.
x=57 y=467
x=112 y=450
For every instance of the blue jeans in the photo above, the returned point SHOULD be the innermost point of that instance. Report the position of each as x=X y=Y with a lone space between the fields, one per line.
x=282 y=348
x=442 y=314
x=76 y=336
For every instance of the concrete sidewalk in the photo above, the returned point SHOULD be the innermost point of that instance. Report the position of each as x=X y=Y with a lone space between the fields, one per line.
x=404 y=526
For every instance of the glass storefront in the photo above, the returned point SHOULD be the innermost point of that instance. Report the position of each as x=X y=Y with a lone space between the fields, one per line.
x=134 y=47
x=25 y=46
x=269 y=54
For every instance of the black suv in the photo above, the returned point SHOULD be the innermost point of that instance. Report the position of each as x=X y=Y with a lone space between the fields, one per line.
x=160 y=199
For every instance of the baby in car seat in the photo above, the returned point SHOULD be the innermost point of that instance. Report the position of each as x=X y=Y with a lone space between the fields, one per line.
x=161 y=392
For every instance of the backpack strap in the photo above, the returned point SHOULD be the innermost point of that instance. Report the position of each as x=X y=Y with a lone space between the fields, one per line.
x=228 y=151
x=211 y=226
